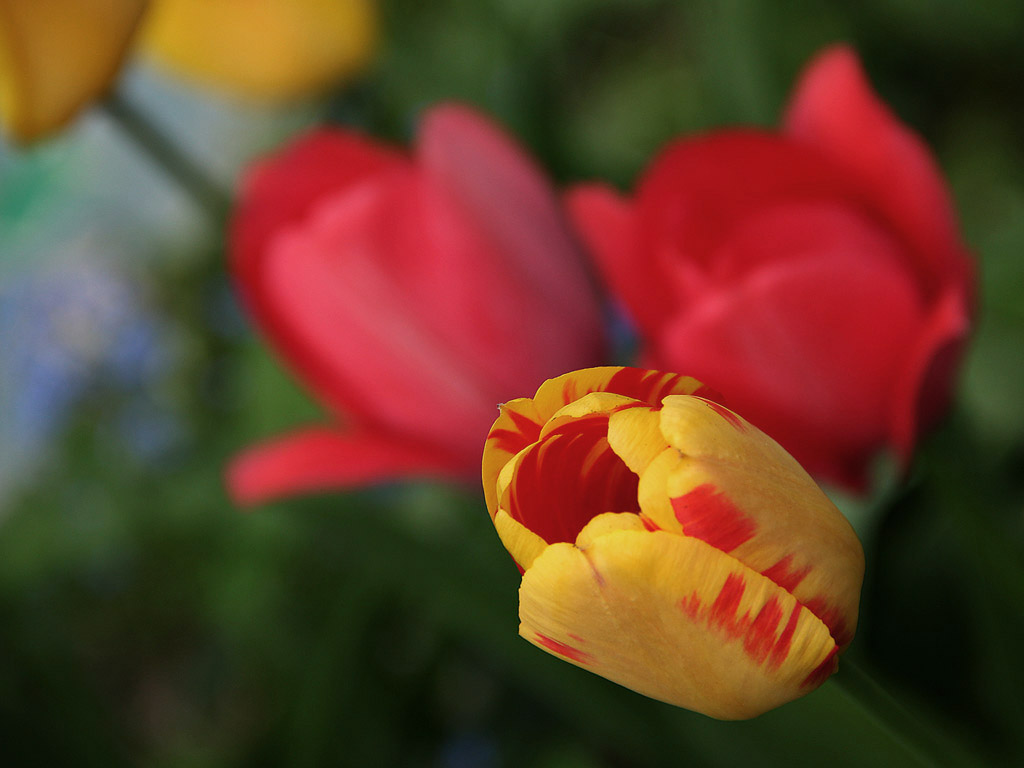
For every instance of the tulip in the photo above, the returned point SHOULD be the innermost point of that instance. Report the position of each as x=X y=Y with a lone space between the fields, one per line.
x=263 y=49
x=58 y=57
x=669 y=545
x=411 y=294
x=815 y=276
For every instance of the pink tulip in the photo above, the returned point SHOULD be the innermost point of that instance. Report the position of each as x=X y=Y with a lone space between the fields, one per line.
x=814 y=276
x=410 y=294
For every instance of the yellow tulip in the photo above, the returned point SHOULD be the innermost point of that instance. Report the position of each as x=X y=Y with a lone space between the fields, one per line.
x=669 y=545
x=57 y=56
x=263 y=49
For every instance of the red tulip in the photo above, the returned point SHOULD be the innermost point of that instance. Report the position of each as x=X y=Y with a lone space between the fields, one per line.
x=814 y=276
x=411 y=294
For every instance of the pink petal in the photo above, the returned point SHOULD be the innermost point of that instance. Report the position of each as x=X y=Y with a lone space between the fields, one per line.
x=835 y=110
x=607 y=224
x=320 y=459
x=504 y=192
x=278 y=193
x=458 y=283
x=368 y=345
x=924 y=390
x=808 y=349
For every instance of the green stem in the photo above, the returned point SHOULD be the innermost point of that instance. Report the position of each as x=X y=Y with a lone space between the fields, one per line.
x=207 y=194
x=920 y=738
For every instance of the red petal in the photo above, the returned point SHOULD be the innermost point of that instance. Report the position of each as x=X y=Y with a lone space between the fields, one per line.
x=791 y=232
x=508 y=197
x=318 y=459
x=699 y=189
x=607 y=224
x=925 y=388
x=809 y=349
x=835 y=110
x=567 y=479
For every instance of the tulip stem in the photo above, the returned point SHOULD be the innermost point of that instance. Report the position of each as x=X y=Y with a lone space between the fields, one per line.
x=207 y=194
x=920 y=738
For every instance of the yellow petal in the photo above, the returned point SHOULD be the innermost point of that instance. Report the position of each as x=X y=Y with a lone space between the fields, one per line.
x=607 y=523
x=518 y=425
x=675 y=619
x=57 y=57
x=263 y=49
x=737 y=489
x=651 y=490
x=635 y=436
x=600 y=404
x=520 y=542
x=640 y=384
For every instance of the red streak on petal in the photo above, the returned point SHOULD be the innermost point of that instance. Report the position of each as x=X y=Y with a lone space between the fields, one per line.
x=577 y=638
x=760 y=638
x=823 y=671
x=569 y=391
x=598 y=577
x=508 y=440
x=635 y=382
x=524 y=424
x=726 y=414
x=644 y=385
x=649 y=524
x=832 y=618
x=723 y=611
x=709 y=516
x=758 y=634
x=524 y=432
x=691 y=605
x=782 y=573
x=781 y=648
x=564 y=650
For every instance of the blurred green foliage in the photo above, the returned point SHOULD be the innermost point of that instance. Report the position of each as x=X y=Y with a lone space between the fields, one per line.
x=146 y=622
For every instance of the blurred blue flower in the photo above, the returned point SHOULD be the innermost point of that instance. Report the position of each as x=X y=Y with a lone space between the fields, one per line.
x=76 y=328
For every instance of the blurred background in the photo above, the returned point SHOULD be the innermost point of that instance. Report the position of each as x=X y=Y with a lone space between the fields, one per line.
x=145 y=621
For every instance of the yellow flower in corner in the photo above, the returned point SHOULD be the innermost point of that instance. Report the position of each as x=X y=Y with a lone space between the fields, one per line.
x=669 y=545
x=263 y=49
x=58 y=56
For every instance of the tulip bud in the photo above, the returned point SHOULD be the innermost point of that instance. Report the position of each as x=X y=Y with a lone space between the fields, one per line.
x=56 y=58
x=669 y=545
